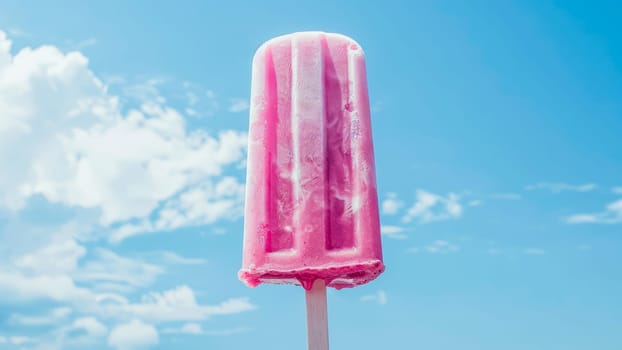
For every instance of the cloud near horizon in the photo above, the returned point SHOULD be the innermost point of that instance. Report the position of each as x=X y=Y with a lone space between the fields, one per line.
x=114 y=173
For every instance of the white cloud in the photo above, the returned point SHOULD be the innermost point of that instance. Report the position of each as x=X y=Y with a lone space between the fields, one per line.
x=441 y=247
x=178 y=304
x=212 y=100
x=534 y=251
x=174 y=305
x=53 y=317
x=237 y=105
x=379 y=297
x=19 y=340
x=127 y=169
x=196 y=329
x=391 y=204
x=557 y=187
x=109 y=267
x=80 y=44
x=436 y=247
x=187 y=328
x=133 y=335
x=191 y=328
x=430 y=207
x=475 y=203
x=91 y=325
x=199 y=205
x=199 y=101
x=42 y=91
x=65 y=137
x=84 y=331
x=18 y=33
x=53 y=271
x=203 y=205
x=16 y=286
x=15 y=340
x=54 y=242
x=55 y=258
x=584 y=219
x=611 y=215
x=103 y=269
x=391 y=231
x=219 y=231
x=145 y=91
x=616 y=190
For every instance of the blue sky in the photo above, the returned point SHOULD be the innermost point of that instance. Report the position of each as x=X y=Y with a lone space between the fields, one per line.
x=122 y=147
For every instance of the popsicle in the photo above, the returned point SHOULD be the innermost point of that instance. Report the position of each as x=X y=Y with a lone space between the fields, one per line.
x=311 y=200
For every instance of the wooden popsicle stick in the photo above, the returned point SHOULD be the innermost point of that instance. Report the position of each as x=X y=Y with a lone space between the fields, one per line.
x=317 y=317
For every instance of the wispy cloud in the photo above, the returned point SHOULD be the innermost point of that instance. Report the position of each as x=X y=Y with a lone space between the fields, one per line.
x=475 y=203
x=173 y=258
x=19 y=287
x=80 y=44
x=133 y=335
x=178 y=304
x=430 y=207
x=617 y=190
x=18 y=33
x=109 y=267
x=144 y=91
x=193 y=328
x=391 y=231
x=200 y=101
x=16 y=340
x=187 y=328
x=55 y=272
x=436 y=247
x=237 y=105
x=50 y=318
x=27 y=279
x=379 y=297
x=611 y=215
x=203 y=204
x=558 y=187
x=534 y=251
x=54 y=258
x=84 y=332
x=391 y=204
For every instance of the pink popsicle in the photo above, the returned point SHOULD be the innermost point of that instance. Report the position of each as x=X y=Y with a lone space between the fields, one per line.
x=311 y=199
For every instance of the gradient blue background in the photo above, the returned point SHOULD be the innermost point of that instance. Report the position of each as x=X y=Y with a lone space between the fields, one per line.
x=476 y=98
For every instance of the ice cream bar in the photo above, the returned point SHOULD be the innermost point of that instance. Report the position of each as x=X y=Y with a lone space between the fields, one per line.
x=311 y=201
